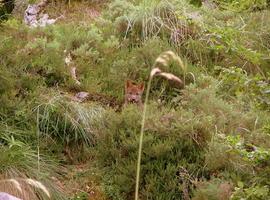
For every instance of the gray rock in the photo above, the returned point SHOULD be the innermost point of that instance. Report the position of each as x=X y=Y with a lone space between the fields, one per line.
x=31 y=15
x=81 y=96
x=6 y=196
x=34 y=18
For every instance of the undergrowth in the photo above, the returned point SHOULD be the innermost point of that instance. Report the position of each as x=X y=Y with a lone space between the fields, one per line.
x=206 y=140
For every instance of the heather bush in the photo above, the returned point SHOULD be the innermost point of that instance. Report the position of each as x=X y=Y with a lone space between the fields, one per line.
x=208 y=139
x=165 y=150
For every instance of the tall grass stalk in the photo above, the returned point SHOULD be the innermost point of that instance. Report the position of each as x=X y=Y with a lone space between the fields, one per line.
x=38 y=153
x=163 y=59
x=141 y=138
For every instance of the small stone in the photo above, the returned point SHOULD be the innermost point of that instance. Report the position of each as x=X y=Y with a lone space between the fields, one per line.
x=81 y=96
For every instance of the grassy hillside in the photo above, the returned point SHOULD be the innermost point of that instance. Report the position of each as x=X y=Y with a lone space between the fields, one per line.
x=207 y=140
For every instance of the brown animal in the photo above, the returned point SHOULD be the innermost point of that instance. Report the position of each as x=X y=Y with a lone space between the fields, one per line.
x=133 y=93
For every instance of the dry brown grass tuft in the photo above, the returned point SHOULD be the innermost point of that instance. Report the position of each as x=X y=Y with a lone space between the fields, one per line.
x=164 y=59
x=24 y=188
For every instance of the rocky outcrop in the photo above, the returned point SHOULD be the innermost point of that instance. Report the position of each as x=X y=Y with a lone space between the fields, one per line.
x=33 y=16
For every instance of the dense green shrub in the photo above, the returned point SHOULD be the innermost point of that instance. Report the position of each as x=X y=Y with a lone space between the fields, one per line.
x=236 y=82
x=165 y=150
x=6 y=7
x=243 y=5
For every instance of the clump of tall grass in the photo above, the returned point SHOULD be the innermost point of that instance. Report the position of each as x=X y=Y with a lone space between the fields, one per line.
x=68 y=122
x=148 y=19
x=25 y=173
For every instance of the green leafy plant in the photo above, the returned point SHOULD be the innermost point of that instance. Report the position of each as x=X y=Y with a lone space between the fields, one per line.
x=253 y=192
x=236 y=82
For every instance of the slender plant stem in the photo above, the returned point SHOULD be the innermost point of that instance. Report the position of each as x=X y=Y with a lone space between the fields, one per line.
x=141 y=139
x=38 y=156
x=154 y=71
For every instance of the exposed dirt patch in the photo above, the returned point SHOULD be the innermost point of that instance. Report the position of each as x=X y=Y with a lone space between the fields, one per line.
x=82 y=181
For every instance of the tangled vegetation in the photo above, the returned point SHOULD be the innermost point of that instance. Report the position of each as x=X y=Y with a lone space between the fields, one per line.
x=206 y=140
